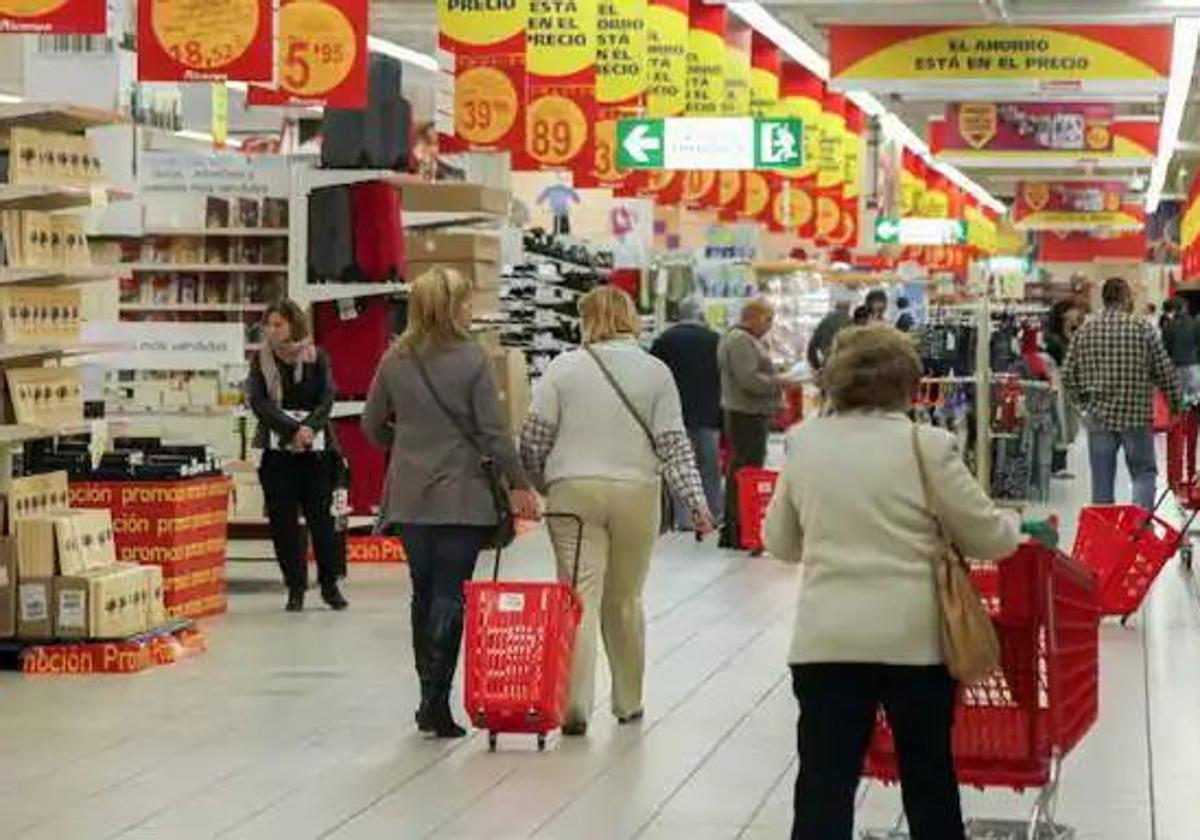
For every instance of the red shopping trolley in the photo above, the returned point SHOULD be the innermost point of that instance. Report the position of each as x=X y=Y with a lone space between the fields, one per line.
x=754 y=490
x=519 y=637
x=1015 y=728
x=1126 y=547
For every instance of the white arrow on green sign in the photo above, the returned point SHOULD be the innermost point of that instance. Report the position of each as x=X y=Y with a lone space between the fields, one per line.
x=889 y=231
x=716 y=143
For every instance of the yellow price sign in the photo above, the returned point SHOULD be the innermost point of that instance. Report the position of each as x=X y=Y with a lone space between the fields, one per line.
x=317 y=47
x=606 y=158
x=485 y=105
x=205 y=34
x=557 y=129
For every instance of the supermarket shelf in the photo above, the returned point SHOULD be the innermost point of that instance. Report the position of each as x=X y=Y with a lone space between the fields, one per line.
x=193 y=307
x=133 y=413
x=338 y=291
x=315 y=179
x=13 y=433
x=51 y=196
x=32 y=352
x=205 y=268
x=58 y=275
x=347 y=408
x=55 y=116
x=420 y=219
x=252 y=521
x=231 y=233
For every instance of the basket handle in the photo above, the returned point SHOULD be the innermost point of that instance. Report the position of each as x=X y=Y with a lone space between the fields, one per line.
x=570 y=517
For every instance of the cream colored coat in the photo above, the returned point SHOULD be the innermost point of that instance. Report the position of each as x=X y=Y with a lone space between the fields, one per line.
x=850 y=509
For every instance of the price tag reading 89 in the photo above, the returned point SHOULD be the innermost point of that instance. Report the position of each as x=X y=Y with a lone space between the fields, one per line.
x=205 y=34
x=557 y=130
x=317 y=47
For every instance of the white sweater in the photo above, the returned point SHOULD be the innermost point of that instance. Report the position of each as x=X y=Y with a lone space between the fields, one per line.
x=597 y=438
x=850 y=508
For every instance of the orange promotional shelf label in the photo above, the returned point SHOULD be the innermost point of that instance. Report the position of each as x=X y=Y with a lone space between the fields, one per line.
x=482 y=54
x=46 y=17
x=322 y=55
x=560 y=56
x=667 y=57
x=206 y=40
x=1138 y=58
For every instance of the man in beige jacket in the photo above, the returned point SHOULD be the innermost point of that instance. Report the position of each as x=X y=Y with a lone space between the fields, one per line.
x=751 y=392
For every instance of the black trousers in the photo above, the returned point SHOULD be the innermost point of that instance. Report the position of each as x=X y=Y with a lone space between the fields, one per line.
x=747 y=434
x=441 y=558
x=838 y=705
x=295 y=483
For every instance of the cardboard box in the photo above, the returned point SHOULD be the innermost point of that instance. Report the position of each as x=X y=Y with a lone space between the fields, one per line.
x=71 y=607
x=486 y=301
x=511 y=373
x=34 y=495
x=68 y=542
x=451 y=247
x=25 y=156
x=155 y=608
x=111 y=603
x=455 y=198
x=8 y=587
x=35 y=619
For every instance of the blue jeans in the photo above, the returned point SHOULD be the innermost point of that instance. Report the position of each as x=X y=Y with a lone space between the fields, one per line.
x=706 y=444
x=1138 y=444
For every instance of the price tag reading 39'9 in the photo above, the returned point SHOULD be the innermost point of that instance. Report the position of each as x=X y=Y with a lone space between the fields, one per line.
x=205 y=34
x=317 y=47
x=485 y=105
x=557 y=130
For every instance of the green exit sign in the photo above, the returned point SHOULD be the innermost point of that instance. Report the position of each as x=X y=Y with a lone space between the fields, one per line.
x=710 y=143
x=889 y=231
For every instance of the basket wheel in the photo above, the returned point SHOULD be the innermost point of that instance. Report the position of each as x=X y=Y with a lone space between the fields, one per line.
x=541 y=741
x=492 y=739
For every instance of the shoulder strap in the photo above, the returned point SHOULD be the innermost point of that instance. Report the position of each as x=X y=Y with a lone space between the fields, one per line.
x=454 y=420
x=620 y=392
x=916 y=445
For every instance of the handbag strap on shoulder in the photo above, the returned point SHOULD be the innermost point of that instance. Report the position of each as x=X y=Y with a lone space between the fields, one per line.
x=620 y=392
x=437 y=399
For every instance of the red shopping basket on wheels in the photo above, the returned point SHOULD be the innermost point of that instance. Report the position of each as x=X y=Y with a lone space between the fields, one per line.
x=1126 y=547
x=1181 y=458
x=754 y=490
x=1014 y=728
x=519 y=637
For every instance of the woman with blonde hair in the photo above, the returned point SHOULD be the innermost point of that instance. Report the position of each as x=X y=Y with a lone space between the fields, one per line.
x=860 y=504
x=435 y=405
x=605 y=422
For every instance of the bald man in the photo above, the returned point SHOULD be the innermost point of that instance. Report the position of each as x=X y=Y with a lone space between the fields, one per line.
x=751 y=393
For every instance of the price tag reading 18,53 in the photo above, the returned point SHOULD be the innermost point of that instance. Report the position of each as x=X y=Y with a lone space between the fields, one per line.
x=205 y=39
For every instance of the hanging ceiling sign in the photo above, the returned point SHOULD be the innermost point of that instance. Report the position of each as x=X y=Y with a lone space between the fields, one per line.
x=206 y=40
x=47 y=17
x=1111 y=60
x=1042 y=136
x=322 y=55
x=1074 y=205
x=710 y=143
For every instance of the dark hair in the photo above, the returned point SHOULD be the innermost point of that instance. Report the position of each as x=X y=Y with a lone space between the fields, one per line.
x=290 y=311
x=861 y=315
x=1056 y=321
x=902 y=303
x=1115 y=291
x=876 y=295
x=1173 y=305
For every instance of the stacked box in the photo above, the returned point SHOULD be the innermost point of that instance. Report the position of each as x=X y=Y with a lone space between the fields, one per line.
x=178 y=526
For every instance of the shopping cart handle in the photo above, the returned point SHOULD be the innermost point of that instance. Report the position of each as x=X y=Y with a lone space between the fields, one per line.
x=568 y=517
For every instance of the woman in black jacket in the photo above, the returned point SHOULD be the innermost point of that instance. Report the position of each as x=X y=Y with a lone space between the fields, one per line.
x=290 y=391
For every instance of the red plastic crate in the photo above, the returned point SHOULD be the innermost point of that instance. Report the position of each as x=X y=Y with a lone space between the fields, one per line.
x=755 y=488
x=1126 y=547
x=1045 y=694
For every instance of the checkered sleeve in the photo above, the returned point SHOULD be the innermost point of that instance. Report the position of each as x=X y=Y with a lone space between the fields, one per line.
x=679 y=470
x=537 y=439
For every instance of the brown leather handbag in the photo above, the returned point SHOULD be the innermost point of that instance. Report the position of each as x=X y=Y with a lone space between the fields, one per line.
x=970 y=645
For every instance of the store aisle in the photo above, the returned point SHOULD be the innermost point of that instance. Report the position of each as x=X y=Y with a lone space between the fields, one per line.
x=300 y=727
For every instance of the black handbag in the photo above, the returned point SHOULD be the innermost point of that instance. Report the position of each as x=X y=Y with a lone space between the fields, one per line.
x=506 y=526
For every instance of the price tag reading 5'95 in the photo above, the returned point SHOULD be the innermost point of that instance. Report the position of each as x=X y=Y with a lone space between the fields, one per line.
x=317 y=47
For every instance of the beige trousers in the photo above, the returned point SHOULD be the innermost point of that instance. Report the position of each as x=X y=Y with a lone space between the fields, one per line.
x=620 y=527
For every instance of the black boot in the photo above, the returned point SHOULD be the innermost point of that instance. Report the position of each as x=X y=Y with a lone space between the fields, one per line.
x=421 y=656
x=295 y=601
x=445 y=635
x=333 y=596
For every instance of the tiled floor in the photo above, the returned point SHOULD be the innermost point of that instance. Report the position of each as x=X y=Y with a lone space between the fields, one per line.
x=300 y=727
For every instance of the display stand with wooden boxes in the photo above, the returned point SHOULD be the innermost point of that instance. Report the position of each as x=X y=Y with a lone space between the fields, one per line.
x=178 y=526
x=69 y=584
x=474 y=255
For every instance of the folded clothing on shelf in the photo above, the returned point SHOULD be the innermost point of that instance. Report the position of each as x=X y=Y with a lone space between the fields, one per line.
x=355 y=333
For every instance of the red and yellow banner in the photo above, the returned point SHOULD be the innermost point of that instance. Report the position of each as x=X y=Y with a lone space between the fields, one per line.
x=560 y=59
x=757 y=190
x=1126 y=142
x=831 y=169
x=852 y=158
x=1071 y=57
x=321 y=55
x=802 y=95
x=667 y=57
x=622 y=71
x=935 y=199
x=59 y=17
x=1189 y=232
x=486 y=48
x=1074 y=205
x=738 y=44
x=206 y=40
x=766 y=67
x=706 y=60
x=913 y=173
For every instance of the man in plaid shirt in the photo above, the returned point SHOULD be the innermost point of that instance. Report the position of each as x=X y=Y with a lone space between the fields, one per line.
x=1114 y=364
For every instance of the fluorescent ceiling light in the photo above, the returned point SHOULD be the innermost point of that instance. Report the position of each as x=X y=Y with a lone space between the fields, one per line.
x=1183 y=64
x=389 y=48
x=800 y=50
